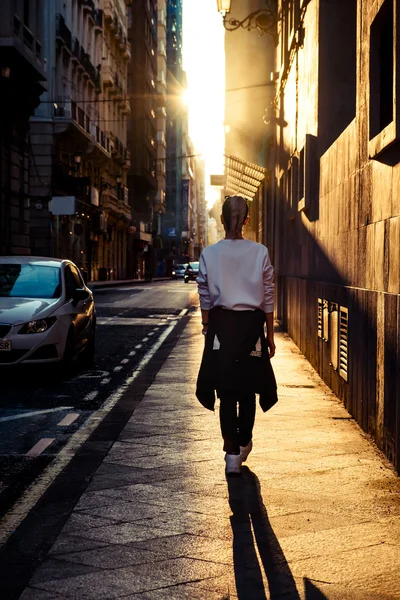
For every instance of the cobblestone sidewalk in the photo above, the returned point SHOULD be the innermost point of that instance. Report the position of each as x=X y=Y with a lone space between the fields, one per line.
x=316 y=513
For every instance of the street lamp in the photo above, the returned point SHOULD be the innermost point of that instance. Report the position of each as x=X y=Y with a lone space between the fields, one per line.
x=263 y=19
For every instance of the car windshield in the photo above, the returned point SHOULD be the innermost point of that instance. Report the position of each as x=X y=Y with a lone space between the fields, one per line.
x=194 y=266
x=180 y=267
x=29 y=281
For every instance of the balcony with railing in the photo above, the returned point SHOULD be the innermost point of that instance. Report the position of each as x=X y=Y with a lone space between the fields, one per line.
x=102 y=140
x=30 y=42
x=162 y=48
x=119 y=151
x=107 y=75
x=88 y=6
x=118 y=87
x=68 y=110
x=98 y=20
x=76 y=50
x=108 y=8
x=127 y=52
x=63 y=33
x=90 y=70
x=125 y=106
x=161 y=138
x=80 y=117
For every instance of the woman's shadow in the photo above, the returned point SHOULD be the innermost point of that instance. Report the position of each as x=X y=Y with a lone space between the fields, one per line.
x=252 y=534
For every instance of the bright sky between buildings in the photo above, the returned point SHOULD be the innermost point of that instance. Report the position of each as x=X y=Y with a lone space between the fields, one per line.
x=204 y=63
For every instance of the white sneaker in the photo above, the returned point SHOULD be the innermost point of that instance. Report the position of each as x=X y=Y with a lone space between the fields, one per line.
x=233 y=464
x=245 y=450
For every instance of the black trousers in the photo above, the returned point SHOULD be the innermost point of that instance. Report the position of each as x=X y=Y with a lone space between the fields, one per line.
x=237 y=412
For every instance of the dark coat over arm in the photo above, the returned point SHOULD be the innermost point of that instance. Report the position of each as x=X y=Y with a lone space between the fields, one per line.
x=235 y=358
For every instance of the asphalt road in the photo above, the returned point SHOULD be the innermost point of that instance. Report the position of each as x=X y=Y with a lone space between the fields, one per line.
x=40 y=409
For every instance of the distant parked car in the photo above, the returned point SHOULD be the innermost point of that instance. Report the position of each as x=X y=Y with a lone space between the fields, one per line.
x=47 y=313
x=178 y=271
x=191 y=272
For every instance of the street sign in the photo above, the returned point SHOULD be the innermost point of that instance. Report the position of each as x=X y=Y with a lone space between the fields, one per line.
x=63 y=205
x=217 y=180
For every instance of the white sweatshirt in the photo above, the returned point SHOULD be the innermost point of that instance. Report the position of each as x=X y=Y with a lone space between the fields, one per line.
x=237 y=275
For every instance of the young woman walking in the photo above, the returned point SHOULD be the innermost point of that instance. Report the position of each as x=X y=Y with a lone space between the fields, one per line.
x=236 y=290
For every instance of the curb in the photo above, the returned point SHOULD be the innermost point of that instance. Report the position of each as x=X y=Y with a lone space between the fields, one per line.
x=96 y=285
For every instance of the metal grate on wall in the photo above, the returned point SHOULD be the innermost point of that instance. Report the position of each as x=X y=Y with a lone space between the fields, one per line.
x=343 y=341
x=320 y=321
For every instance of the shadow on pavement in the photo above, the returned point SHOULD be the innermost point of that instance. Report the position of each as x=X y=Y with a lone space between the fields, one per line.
x=252 y=535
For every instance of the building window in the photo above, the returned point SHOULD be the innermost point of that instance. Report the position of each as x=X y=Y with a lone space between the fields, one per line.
x=337 y=66
x=381 y=69
x=308 y=178
x=384 y=109
x=292 y=186
x=301 y=175
x=27 y=13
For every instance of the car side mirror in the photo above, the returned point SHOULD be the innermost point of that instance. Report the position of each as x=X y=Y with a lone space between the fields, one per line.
x=80 y=294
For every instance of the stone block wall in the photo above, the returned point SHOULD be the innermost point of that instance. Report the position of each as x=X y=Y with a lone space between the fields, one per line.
x=341 y=254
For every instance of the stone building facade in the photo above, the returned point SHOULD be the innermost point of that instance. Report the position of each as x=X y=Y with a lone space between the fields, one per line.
x=79 y=196
x=22 y=81
x=333 y=210
x=249 y=89
x=142 y=132
x=176 y=83
x=159 y=205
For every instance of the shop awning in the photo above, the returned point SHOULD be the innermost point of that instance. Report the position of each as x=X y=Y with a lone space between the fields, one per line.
x=242 y=178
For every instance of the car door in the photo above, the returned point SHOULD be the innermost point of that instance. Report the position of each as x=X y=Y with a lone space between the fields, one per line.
x=77 y=310
x=86 y=306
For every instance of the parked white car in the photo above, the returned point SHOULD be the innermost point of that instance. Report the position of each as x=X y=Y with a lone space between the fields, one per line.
x=47 y=313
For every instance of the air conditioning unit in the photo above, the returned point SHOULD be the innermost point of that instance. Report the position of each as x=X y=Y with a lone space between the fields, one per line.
x=59 y=111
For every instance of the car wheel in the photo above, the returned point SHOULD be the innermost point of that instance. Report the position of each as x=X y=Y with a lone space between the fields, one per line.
x=69 y=352
x=87 y=355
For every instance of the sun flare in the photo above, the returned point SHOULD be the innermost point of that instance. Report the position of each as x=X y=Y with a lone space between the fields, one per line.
x=204 y=63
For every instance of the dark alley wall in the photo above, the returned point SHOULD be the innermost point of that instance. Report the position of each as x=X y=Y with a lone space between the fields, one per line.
x=335 y=213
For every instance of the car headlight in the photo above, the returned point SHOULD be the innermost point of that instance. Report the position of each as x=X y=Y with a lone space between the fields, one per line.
x=173 y=273
x=38 y=326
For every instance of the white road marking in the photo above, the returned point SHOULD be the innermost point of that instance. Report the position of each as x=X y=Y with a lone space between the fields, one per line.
x=183 y=312
x=91 y=395
x=21 y=508
x=105 y=381
x=122 y=289
x=68 y=420
x=124 y=361
x=151 y=333
x=132 y=353
x=33 y=413
x=40 y=446
x=128 y=321
x=93 y=375
x=138 y=346
x=145 y=339
x=117 y=368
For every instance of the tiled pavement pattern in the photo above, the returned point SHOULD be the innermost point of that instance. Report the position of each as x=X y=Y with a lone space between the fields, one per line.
x=316 y=513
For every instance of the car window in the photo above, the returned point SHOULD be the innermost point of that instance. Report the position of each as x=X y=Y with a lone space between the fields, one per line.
x=29 y=281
